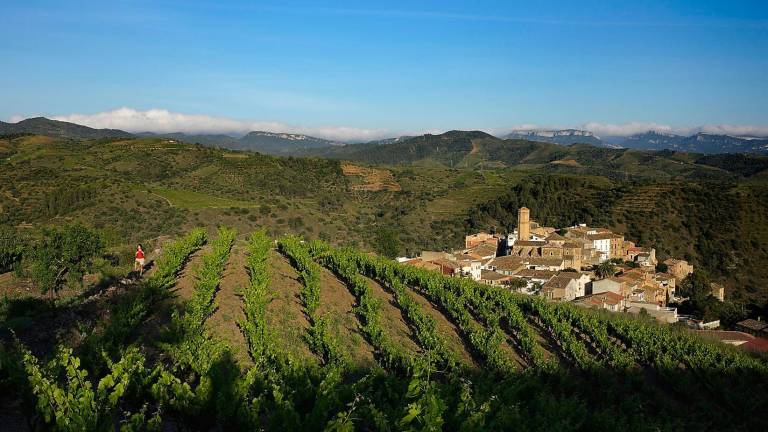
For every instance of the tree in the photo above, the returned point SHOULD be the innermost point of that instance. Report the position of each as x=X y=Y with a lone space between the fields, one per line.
x=12 y=246
x=662 y=268
x=605 y=269
x=695 y=286
x=63 y=256
x=387 y=242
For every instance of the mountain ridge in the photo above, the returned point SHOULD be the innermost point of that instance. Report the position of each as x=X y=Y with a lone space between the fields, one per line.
x=281 y=143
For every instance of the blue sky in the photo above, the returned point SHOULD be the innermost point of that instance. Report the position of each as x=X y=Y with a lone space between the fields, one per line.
x=352 y=69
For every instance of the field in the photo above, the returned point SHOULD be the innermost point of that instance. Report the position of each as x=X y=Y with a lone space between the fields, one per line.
x=234 y=331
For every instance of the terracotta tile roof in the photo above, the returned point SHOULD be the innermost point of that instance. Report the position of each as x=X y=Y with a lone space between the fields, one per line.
x=555 y=237
x=506 y=263
x=570 y=274
x=536 y=274
x=753 y=324
x=601 y=298
x=602 y=236
x=543 y=261
x=491 y=275
x=531 y=243
x=483 y=249
x=446 y=263
x=557 y=282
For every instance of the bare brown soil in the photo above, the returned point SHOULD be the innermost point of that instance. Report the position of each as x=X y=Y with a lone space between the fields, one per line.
x=370 y=179
x=336 y=302
x=285 y=313
x=566 y=162
x=392 y=320
x=446 y=329
x=229 y=312
x=185 y=283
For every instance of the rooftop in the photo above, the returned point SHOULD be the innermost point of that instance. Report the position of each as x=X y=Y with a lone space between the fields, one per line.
x=506 y=263
x=599 y=299
x=529 y=243
x=753 y=324
x=491 y=275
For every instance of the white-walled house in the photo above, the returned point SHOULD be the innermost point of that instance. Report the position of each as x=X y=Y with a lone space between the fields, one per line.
x=611 y=284
x=582 y=280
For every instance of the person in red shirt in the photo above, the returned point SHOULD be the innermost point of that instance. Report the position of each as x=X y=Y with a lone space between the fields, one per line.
x=139 y=262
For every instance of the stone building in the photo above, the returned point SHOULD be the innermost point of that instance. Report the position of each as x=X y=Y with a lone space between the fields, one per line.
x=523 y=224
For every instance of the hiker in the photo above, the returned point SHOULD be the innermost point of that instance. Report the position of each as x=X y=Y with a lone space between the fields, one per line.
x=139 y=260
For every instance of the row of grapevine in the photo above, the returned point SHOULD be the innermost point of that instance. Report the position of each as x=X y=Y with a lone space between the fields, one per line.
x=190 y=344
x=560 y=330
x=256 y=296
x=493 y=305
x=422 y=324
x=72 y=404
x=487 y=342
x=597 y=330
x=127 y=315
x=319 y=338
x=208 y=275
x=367 y=309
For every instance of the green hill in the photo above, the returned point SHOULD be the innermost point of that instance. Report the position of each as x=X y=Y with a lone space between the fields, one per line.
x=59 y=129
x=136 y=190
x=477 y=150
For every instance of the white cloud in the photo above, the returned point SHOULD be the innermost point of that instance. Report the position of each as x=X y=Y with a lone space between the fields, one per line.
x=631 y=128
x=625 y=129
x=736 y=130
x=164 y=121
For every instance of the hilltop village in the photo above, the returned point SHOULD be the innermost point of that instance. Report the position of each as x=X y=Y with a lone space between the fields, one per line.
x=589 y=266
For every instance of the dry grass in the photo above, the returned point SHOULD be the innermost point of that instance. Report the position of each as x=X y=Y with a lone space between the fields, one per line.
x=370 y=179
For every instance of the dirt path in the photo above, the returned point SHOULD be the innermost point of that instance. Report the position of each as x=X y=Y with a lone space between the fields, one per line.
x=229 y=311
x=182 y=290
x=337 y=302
x=392 y=320
x=475 y=147
x=446 y=329
x=285 y=314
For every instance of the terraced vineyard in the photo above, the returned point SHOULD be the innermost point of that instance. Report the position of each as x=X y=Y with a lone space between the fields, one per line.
x=253 y=334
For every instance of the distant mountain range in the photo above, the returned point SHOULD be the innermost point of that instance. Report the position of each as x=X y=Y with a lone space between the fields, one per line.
x=298 y=144
x=651 y=140
x=698 y=143
x=265 y=142
x=563 y=137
